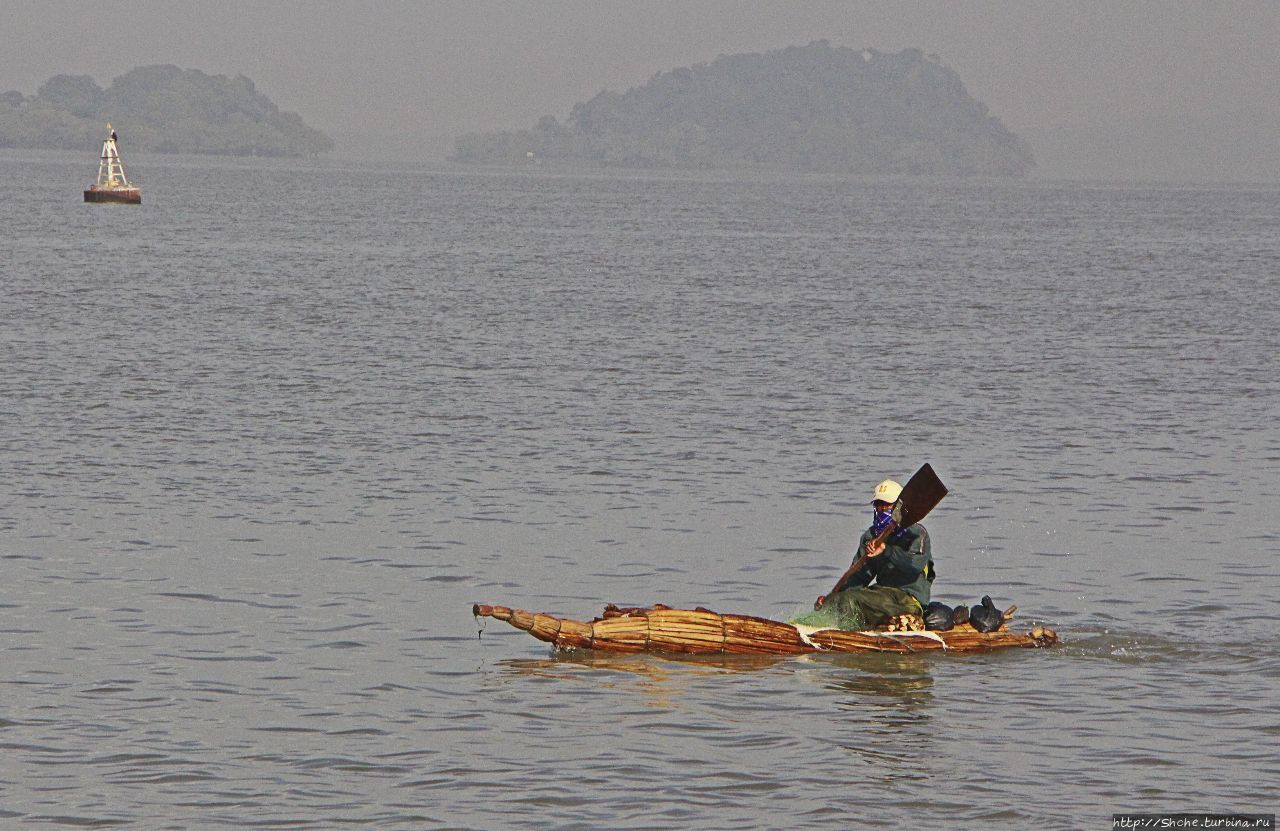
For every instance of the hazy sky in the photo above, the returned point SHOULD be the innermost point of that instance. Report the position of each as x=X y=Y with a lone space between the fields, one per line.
x=1108 y=89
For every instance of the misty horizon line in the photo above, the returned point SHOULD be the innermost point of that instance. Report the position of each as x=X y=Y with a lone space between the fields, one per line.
x=1169 y=146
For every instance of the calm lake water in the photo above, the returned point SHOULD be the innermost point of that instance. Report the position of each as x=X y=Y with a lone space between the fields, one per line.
x=267 y=437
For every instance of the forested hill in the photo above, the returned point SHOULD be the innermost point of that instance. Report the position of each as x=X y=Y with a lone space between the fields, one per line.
x=157 y=108
x=815 y=107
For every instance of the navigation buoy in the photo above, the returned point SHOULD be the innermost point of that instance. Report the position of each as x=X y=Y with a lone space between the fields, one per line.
x=112 y=185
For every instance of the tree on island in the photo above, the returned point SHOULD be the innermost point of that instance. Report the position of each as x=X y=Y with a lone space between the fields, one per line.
x=167 y=110
x=813 y=107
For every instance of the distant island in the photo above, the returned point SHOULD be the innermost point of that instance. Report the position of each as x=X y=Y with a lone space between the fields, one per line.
x=809 y=108
x=163 y=109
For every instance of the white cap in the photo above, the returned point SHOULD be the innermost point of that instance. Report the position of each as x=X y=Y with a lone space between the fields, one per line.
x=887 y=491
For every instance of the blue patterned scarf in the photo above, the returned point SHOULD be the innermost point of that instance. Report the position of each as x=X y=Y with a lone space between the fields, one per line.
x=880 y=521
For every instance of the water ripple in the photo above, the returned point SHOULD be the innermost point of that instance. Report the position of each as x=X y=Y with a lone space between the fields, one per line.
x=260 y=467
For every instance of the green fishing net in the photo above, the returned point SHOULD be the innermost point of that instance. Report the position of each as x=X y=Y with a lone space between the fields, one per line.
x=841 y=611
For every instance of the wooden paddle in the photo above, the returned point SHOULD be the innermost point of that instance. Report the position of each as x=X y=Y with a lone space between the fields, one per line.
x=923 y=491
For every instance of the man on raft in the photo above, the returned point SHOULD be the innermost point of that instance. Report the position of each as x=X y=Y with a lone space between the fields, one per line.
x=901 y=565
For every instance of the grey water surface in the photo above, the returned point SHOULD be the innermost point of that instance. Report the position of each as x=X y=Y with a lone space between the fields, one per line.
x=266 y=438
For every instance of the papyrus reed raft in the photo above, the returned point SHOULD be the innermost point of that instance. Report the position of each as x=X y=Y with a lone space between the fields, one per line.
x=704 y=632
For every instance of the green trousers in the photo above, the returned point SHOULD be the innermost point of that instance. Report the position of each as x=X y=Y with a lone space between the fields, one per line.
x=866 y=608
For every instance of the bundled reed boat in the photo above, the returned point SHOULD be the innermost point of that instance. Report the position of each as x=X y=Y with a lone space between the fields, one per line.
x=701 y=631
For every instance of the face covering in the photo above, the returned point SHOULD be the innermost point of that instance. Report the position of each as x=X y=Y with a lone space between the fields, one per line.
x=880 y=521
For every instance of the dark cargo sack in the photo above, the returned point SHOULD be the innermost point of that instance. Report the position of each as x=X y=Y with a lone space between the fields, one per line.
x=986 y=617
x=937 y=617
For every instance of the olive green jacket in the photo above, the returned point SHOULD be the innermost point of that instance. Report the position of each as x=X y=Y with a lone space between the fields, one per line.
x=907 y=563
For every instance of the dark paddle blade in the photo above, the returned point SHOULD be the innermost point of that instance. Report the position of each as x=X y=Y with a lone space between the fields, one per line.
x=923 y=491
